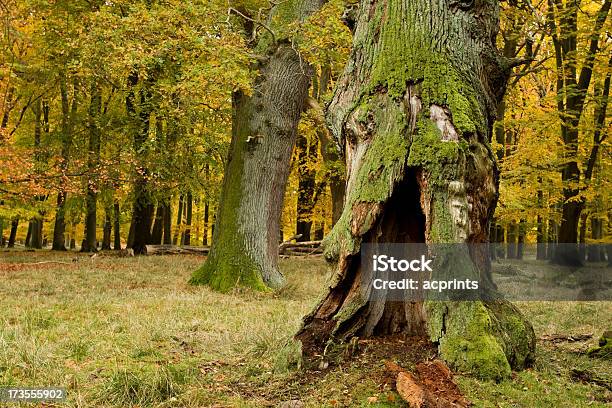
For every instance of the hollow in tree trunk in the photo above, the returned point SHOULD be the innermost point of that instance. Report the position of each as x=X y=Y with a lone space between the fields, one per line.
x=414 y=112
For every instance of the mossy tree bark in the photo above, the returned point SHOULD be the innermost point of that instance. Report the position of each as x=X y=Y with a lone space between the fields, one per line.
x=264 y=128
x=414 y=111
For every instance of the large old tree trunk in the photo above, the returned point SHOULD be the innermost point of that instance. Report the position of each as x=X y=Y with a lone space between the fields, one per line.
x=245 y=240
x=414 y=111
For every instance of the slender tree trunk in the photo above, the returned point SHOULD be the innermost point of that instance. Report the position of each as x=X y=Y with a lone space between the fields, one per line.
x=307 y=158
x=582 y=236
x=107 y=228
x=205 y=229
x=116 y=226
x=93 y=158
x=179 y=220
x=167 y=223
x=13 y=233
x=68 y=115
x=142 y=211
x=595 y=253
x=188 y=217
x=511 y=242
x=36 y=239
x=28 y=239
x=572 y=88
x=413 y=112
x=520 y=242
x=156 y=234
x=541 y=228
x=553 y=227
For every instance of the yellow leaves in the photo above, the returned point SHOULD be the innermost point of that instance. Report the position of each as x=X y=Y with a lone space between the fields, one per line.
x=323 y=38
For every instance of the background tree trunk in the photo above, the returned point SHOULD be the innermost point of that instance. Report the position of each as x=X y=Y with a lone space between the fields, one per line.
x=205 y=229
x=93 y=158
x=167 y=240
x=179 y=220
x=142 y=208
x=245 y=242
x=68 y=114
x=307 y=157
x=414 y=111
x=13 y=233
x=156 y=234
x=186 y=240
x=107 y=228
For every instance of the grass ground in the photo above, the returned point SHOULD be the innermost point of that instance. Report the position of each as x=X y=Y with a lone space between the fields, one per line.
x=129 y=332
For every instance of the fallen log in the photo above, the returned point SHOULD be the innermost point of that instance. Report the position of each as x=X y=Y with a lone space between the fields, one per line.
x=305 y=246
x=286 y=248
x=305 y=250
x=295 y=253
x=175 y=250
x=431 y=386
x=566 y=338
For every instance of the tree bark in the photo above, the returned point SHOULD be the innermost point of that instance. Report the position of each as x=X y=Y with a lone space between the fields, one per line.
x=116 y=226
x=188 y=218
x=13 y=233
x=156 y=234
x=572 y=88
x=205 y=230
x=595 y=251
x=414 y=112
x=142 y=209
x=93 y=158
x=28 y=235
x=179 y=220
x=264 y=126
x=167 y=240
x=107 y=228
x=307 y=157
x=68 y=114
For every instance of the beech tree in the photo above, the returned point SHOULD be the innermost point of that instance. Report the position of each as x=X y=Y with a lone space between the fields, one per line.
x=414 y=113
x=264 y=129
x=572 y=90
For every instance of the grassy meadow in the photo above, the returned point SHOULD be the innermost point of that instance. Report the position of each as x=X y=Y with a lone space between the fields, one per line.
x=129 y=332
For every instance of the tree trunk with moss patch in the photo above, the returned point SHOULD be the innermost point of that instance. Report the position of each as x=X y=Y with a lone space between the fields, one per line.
x=414 y=111
x=244 y=248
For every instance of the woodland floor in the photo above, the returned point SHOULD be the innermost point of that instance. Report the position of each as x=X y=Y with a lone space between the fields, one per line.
x=127 y=332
